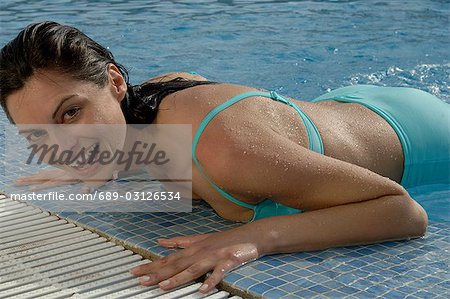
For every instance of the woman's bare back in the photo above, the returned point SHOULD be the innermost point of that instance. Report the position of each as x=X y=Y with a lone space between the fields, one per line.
x=350 y=132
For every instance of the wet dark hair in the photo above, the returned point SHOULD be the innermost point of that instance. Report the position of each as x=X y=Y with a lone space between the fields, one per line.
x=52 y=46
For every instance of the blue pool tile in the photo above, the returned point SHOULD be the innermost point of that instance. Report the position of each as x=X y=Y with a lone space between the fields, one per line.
x=303 y=283
x=430 y=280
x=260 y=288
x=319 y=289
x=354 y=254
x=262 y=266
x=247 y=271
x=330 y=274
x=419 y=284
x=288 y=258
x=347 y=278
x=233 y=277
x=344 y=268
x=275 y=272
x=274 y=293
x=366 y=251
x=167 y=224
x=136 y=239
x=369 y=259
x=317 y=269
x=288 y=277
x=246 y=283
x=400 y=269
x=261 y=276
x=274 y=262
x=348 y=290
x=303 y=273
x=357 y=263
x=336 y=294
x=305 y=294
x=314 y=259
x=376 y=278
x=378 y=289
x=361 y=284
x=333 y=284
x=414 y=273
x=318 y=278
x=274 y=282
x=289 y=288
x=288 y=268
x=394 y=294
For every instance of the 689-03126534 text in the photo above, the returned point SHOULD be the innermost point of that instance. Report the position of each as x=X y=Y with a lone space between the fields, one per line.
x=100 y=195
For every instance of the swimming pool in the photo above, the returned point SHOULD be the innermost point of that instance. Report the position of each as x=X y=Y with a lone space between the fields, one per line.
x=299 y=48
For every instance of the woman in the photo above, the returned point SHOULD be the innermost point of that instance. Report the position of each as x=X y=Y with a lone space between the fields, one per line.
x=328 y=172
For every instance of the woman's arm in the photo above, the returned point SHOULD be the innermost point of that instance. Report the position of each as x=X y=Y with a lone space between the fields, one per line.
x=345 y=205
x=386 y=218
x=390 y=217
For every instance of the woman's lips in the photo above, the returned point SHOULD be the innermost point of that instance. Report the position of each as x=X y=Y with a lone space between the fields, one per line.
x=88 y=161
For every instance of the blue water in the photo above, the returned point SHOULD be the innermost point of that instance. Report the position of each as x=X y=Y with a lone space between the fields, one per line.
x=299 y=48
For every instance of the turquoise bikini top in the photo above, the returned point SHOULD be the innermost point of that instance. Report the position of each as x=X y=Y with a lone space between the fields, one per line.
x=267 y=207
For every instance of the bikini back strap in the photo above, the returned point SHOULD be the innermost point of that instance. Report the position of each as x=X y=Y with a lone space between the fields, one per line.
x=315 y=142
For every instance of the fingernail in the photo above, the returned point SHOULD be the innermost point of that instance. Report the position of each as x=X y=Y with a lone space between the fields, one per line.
x=145 y=278
x=204 y=287
x=164 y=283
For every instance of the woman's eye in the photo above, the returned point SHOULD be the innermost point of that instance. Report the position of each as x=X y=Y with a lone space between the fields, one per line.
x=71 y=113
x=36 y=135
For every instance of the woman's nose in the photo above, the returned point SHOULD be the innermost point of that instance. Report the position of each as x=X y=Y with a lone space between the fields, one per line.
x=64 y=139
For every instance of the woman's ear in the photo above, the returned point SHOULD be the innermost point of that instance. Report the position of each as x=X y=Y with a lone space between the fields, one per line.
x=116 y=82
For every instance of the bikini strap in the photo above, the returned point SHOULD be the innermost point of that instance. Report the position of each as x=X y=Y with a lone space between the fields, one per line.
x=315 y=142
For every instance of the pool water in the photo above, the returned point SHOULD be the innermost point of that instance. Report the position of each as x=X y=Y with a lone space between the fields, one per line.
x=301 y=49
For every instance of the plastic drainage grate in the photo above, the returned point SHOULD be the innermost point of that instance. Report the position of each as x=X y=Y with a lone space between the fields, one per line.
x=43 y=256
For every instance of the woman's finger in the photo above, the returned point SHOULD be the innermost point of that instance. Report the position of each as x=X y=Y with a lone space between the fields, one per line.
x=168 y=263
x=217 y=275
x=50 y=184
x=189 y=274
x=42 y=176
x=32 y=179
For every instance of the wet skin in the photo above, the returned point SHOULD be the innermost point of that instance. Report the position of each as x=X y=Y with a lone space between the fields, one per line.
x=350 y=195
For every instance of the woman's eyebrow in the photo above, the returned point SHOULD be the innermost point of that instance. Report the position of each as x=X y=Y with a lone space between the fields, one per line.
x=62 y=102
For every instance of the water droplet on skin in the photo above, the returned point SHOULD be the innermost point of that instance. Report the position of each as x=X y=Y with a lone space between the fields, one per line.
x=276 y=162
x=245 y=152
x=286 y=169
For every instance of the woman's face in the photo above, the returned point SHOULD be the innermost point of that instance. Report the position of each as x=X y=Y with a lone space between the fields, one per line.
x=91 y=115
x=49 y=97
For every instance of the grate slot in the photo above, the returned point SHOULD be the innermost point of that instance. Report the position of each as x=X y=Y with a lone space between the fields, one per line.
x=24 y=218
x=27 y=224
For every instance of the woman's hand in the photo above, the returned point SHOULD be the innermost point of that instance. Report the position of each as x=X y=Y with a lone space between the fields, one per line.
x=220 y=252
x=48 y=179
